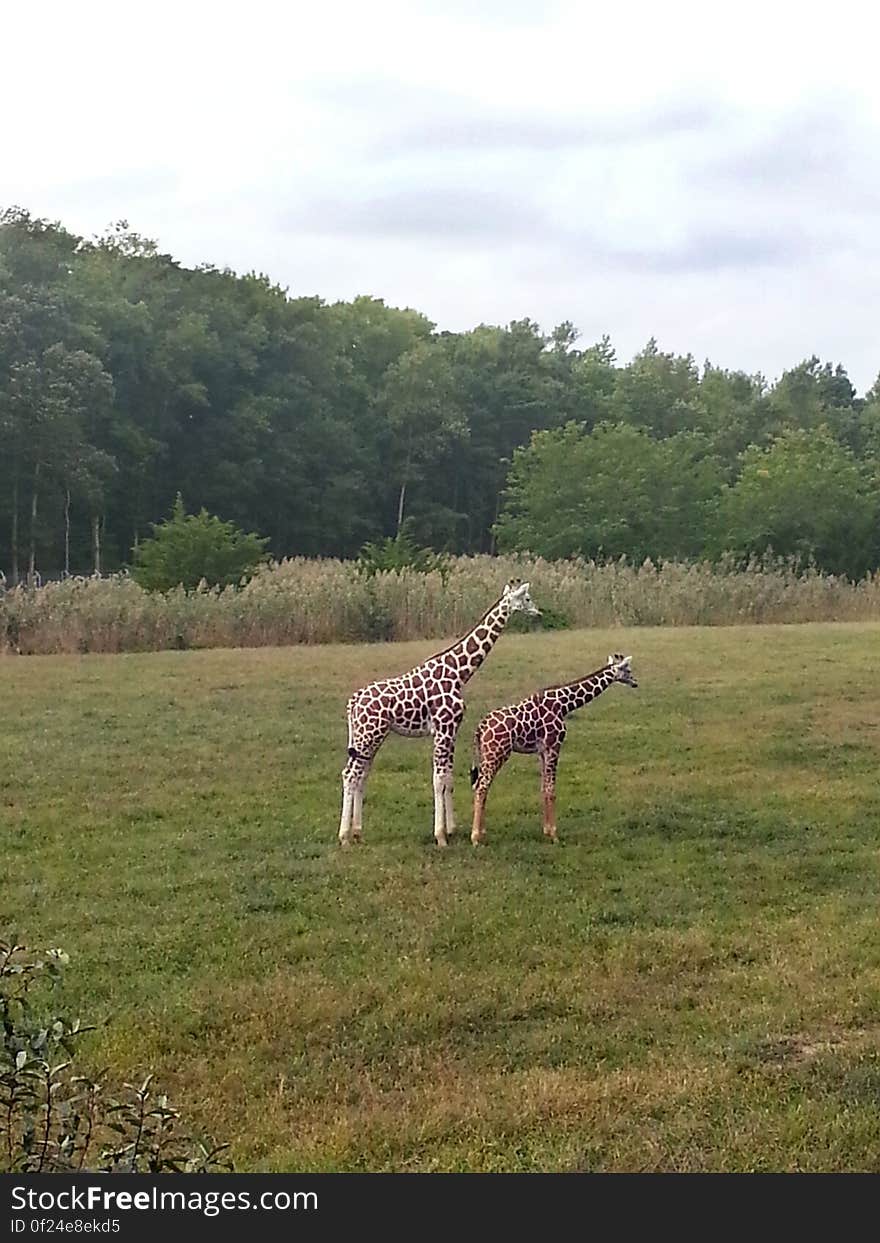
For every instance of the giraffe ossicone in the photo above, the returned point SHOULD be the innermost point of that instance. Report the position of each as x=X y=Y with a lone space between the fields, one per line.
x=425 y=700
x=536 y=726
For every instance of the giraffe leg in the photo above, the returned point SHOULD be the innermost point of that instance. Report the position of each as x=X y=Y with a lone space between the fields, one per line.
x=489 y=766
x=449 y=808
x=345 y=820
x=351 y=824
x=354 y=778
x=549 y=760
x=478 y=832
x=357 y=818
x=444 y=755
x=439 y=809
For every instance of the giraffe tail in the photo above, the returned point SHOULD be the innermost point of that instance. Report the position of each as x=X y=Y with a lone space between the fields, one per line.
x=475 y=771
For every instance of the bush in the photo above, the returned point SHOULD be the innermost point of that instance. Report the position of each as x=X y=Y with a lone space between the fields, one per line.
x=400 y=553
x=55 y=1120
x=190 y=549
x=525 y=623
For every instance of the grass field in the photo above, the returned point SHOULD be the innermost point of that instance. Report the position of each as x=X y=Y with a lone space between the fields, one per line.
x=690 y=981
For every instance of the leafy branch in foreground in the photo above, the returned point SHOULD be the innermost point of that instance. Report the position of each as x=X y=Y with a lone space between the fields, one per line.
x=55 y=1120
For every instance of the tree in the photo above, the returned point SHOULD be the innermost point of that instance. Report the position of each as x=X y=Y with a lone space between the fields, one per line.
x=734 y=413
x=188 y=548
x=126 y=377
x=804 y=496
x=613 y=491
x=419 y=400
x=510 y=384
x=51 y=398
x=594 y=378
x=657 y=391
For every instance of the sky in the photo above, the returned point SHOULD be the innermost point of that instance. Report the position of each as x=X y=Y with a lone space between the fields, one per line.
x=705 y=174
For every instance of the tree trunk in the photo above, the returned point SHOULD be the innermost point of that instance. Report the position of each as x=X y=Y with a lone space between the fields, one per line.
x=493 y=542
x=32 y=561
x=96 y=544
x=14 y=535
x=67 y=533
x=406 y=470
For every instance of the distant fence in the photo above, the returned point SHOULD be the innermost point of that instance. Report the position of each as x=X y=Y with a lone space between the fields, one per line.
x=327 y=601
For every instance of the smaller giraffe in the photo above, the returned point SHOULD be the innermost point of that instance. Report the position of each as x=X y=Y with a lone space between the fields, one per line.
x=536 y=726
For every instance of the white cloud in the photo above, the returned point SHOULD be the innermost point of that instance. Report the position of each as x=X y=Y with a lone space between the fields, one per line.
x=708 y=177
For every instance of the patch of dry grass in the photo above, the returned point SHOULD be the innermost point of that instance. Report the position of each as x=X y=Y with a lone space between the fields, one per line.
x=326 y=601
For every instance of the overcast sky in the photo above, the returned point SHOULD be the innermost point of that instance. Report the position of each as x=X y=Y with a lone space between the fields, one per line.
x=705 y=173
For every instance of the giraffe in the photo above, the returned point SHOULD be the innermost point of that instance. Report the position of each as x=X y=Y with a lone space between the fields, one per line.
x=536 y=726
x=426 y=700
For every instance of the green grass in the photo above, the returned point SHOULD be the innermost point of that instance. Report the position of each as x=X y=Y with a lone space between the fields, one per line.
x=691 y=980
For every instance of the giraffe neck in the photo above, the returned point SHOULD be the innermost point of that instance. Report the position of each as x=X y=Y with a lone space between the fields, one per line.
x=575 y=695
x=471 y=650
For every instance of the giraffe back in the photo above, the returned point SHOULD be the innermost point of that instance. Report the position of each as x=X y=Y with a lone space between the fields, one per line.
x=409 y=704
x=523 y=727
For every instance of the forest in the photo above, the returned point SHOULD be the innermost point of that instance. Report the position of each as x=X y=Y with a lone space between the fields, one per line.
x=127 y=378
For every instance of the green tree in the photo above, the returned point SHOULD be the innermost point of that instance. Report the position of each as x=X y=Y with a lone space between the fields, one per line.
x=660 y=392
x=51 y=400
x=734 y=412
x=805 y=496
x=188 y=548
x=126 y=377
x=420 y=402
x=512 y=381
x=613 y=491
x=593 y=380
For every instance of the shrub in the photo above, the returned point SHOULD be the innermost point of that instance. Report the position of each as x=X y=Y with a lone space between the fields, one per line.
x=54 y=1119
x=550 y=619
x=400 y=553
x=192 y=548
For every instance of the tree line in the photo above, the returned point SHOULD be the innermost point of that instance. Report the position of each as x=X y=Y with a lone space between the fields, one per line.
x=127 y=378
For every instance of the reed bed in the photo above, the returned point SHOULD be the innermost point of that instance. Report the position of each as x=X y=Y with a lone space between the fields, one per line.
x=301 y=601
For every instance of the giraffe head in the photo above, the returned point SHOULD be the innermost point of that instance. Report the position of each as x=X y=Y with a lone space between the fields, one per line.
x=620 y=667
x=518 y=599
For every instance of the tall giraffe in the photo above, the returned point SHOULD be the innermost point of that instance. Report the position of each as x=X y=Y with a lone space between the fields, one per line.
x=536 y=726
x=426 y=700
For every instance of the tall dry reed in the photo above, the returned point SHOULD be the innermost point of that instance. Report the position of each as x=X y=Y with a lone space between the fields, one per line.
x=306 y=601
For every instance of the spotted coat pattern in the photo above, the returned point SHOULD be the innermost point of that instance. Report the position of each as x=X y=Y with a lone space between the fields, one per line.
x=426 y=700
x=536 y=726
